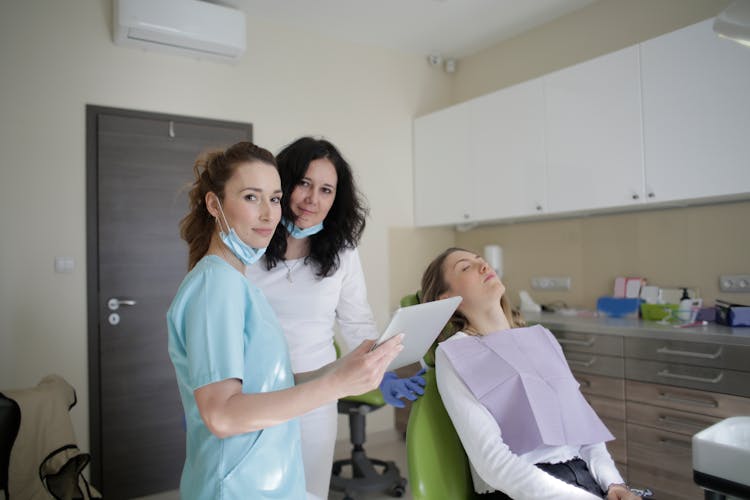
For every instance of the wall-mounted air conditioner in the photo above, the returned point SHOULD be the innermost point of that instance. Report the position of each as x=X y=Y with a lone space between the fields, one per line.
x=190 y=27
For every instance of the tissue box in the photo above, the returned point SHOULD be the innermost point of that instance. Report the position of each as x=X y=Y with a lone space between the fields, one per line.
x=732 y=314
x=615 y=307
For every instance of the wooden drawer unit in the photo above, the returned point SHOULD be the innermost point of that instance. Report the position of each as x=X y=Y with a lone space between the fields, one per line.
x=689 y=353
x=607 y=407
x=654 y=395
x=598 y=385
x=594 y=354
x=667 y=419
x=704 y=378
x=661 y=422
x=661 y=461
x=606 y=395
x=688 y=400
x=618 y=447
x=591 y=343
x=595 y=364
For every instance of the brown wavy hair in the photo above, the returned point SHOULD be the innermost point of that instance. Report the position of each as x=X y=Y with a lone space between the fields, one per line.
x=212 y=170
x=434 y=285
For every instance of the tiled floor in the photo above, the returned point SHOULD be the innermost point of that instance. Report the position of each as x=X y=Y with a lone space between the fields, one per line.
x=385 y=445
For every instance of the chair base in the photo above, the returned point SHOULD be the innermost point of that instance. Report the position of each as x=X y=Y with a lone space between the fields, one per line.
x=365 y=476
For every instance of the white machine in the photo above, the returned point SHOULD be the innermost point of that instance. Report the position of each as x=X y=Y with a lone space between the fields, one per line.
x=189 y=27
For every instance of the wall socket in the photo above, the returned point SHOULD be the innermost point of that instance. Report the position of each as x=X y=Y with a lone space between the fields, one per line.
x=734 y=283
x=550 y=283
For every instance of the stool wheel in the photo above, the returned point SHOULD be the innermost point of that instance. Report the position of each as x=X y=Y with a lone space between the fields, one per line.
x=399 y=489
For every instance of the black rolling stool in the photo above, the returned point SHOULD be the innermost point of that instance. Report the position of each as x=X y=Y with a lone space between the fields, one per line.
x=365 y=476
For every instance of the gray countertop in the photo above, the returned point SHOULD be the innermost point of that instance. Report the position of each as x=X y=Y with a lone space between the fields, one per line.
x=711 y=333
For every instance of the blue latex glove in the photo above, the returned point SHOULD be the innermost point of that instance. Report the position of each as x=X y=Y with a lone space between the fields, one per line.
x=394 y=388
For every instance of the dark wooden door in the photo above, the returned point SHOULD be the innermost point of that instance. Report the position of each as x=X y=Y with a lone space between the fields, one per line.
x=139 y=167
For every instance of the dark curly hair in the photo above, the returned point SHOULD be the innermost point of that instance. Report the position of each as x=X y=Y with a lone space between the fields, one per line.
x=345 y=222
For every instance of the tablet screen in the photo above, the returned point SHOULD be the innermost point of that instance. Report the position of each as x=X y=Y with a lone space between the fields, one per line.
x=420 y=324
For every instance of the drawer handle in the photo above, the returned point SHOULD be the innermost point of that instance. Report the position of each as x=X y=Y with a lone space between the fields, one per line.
x=696 y=402
x=689 y=354
x=584 y=343
x=668 y=419
x=674 y=443
x=668 y=374
x=585 y=364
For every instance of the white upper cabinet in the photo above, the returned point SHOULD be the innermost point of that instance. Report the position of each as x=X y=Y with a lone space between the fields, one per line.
x=506 y=141
x=594 y=134
x=664 y=121
x=442 y=177
x=696 y=108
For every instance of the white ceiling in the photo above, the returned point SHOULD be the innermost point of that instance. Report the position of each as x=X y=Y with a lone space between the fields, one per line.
x=451 y=28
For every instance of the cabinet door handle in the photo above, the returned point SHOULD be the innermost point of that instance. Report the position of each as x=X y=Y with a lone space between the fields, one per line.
x=584 y=343
x=689 y=401
x=689 y=354
x=668 y=419
x=668 y=374
x=582 y=363
x=584 y=382
x=674 y=443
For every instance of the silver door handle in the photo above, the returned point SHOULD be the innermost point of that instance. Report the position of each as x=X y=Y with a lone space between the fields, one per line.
x=691 y=354
x=688 y=401
x=692 y=378
x=585 y=364
x=585 y=343
x=114 y=303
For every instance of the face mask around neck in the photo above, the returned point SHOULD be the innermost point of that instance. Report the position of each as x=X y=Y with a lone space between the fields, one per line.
x=298 y=233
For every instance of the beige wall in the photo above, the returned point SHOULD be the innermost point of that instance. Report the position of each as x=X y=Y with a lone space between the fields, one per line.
x=56 y=57
x=411 y=249
x=687 y=247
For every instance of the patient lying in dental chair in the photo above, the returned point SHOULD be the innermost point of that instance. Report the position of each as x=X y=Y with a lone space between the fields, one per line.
x=517 y=409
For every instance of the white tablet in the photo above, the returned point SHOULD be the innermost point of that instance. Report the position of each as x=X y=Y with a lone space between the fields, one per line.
x=420 y=324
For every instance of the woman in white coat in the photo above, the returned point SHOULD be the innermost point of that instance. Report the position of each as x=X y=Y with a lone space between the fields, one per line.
x=312 y=276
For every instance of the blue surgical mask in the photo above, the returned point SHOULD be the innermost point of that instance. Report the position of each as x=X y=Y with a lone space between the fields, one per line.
x=247 y=254
x=298 y=233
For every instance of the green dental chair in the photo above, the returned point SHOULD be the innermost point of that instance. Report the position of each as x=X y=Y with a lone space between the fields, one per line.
x=438 y=465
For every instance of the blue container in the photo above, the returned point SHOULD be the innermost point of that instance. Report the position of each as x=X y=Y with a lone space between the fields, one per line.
x=732 y=314
x=618 y=308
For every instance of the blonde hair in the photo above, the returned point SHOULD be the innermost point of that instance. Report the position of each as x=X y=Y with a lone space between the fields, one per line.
x=434 y=285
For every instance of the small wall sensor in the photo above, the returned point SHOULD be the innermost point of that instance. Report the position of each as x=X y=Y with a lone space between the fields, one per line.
x=450 y=65
x=435 y=59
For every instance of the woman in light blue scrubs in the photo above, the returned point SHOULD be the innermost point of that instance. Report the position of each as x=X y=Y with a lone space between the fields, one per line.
x=227 y=347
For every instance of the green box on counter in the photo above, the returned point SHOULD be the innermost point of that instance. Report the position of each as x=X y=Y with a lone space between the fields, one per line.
x=658 y=312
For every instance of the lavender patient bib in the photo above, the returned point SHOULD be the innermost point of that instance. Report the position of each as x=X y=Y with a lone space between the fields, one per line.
x=522 y=378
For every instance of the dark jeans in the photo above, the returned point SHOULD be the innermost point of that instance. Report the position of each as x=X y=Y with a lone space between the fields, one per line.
x=574 y=472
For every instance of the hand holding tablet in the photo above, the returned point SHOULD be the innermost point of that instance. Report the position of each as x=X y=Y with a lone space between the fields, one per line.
x=420 y=324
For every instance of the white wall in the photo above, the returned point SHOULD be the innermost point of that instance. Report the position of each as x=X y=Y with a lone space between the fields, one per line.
x=56 y=57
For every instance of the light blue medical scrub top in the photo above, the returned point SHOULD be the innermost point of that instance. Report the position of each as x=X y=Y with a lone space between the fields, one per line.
x=222 y=327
